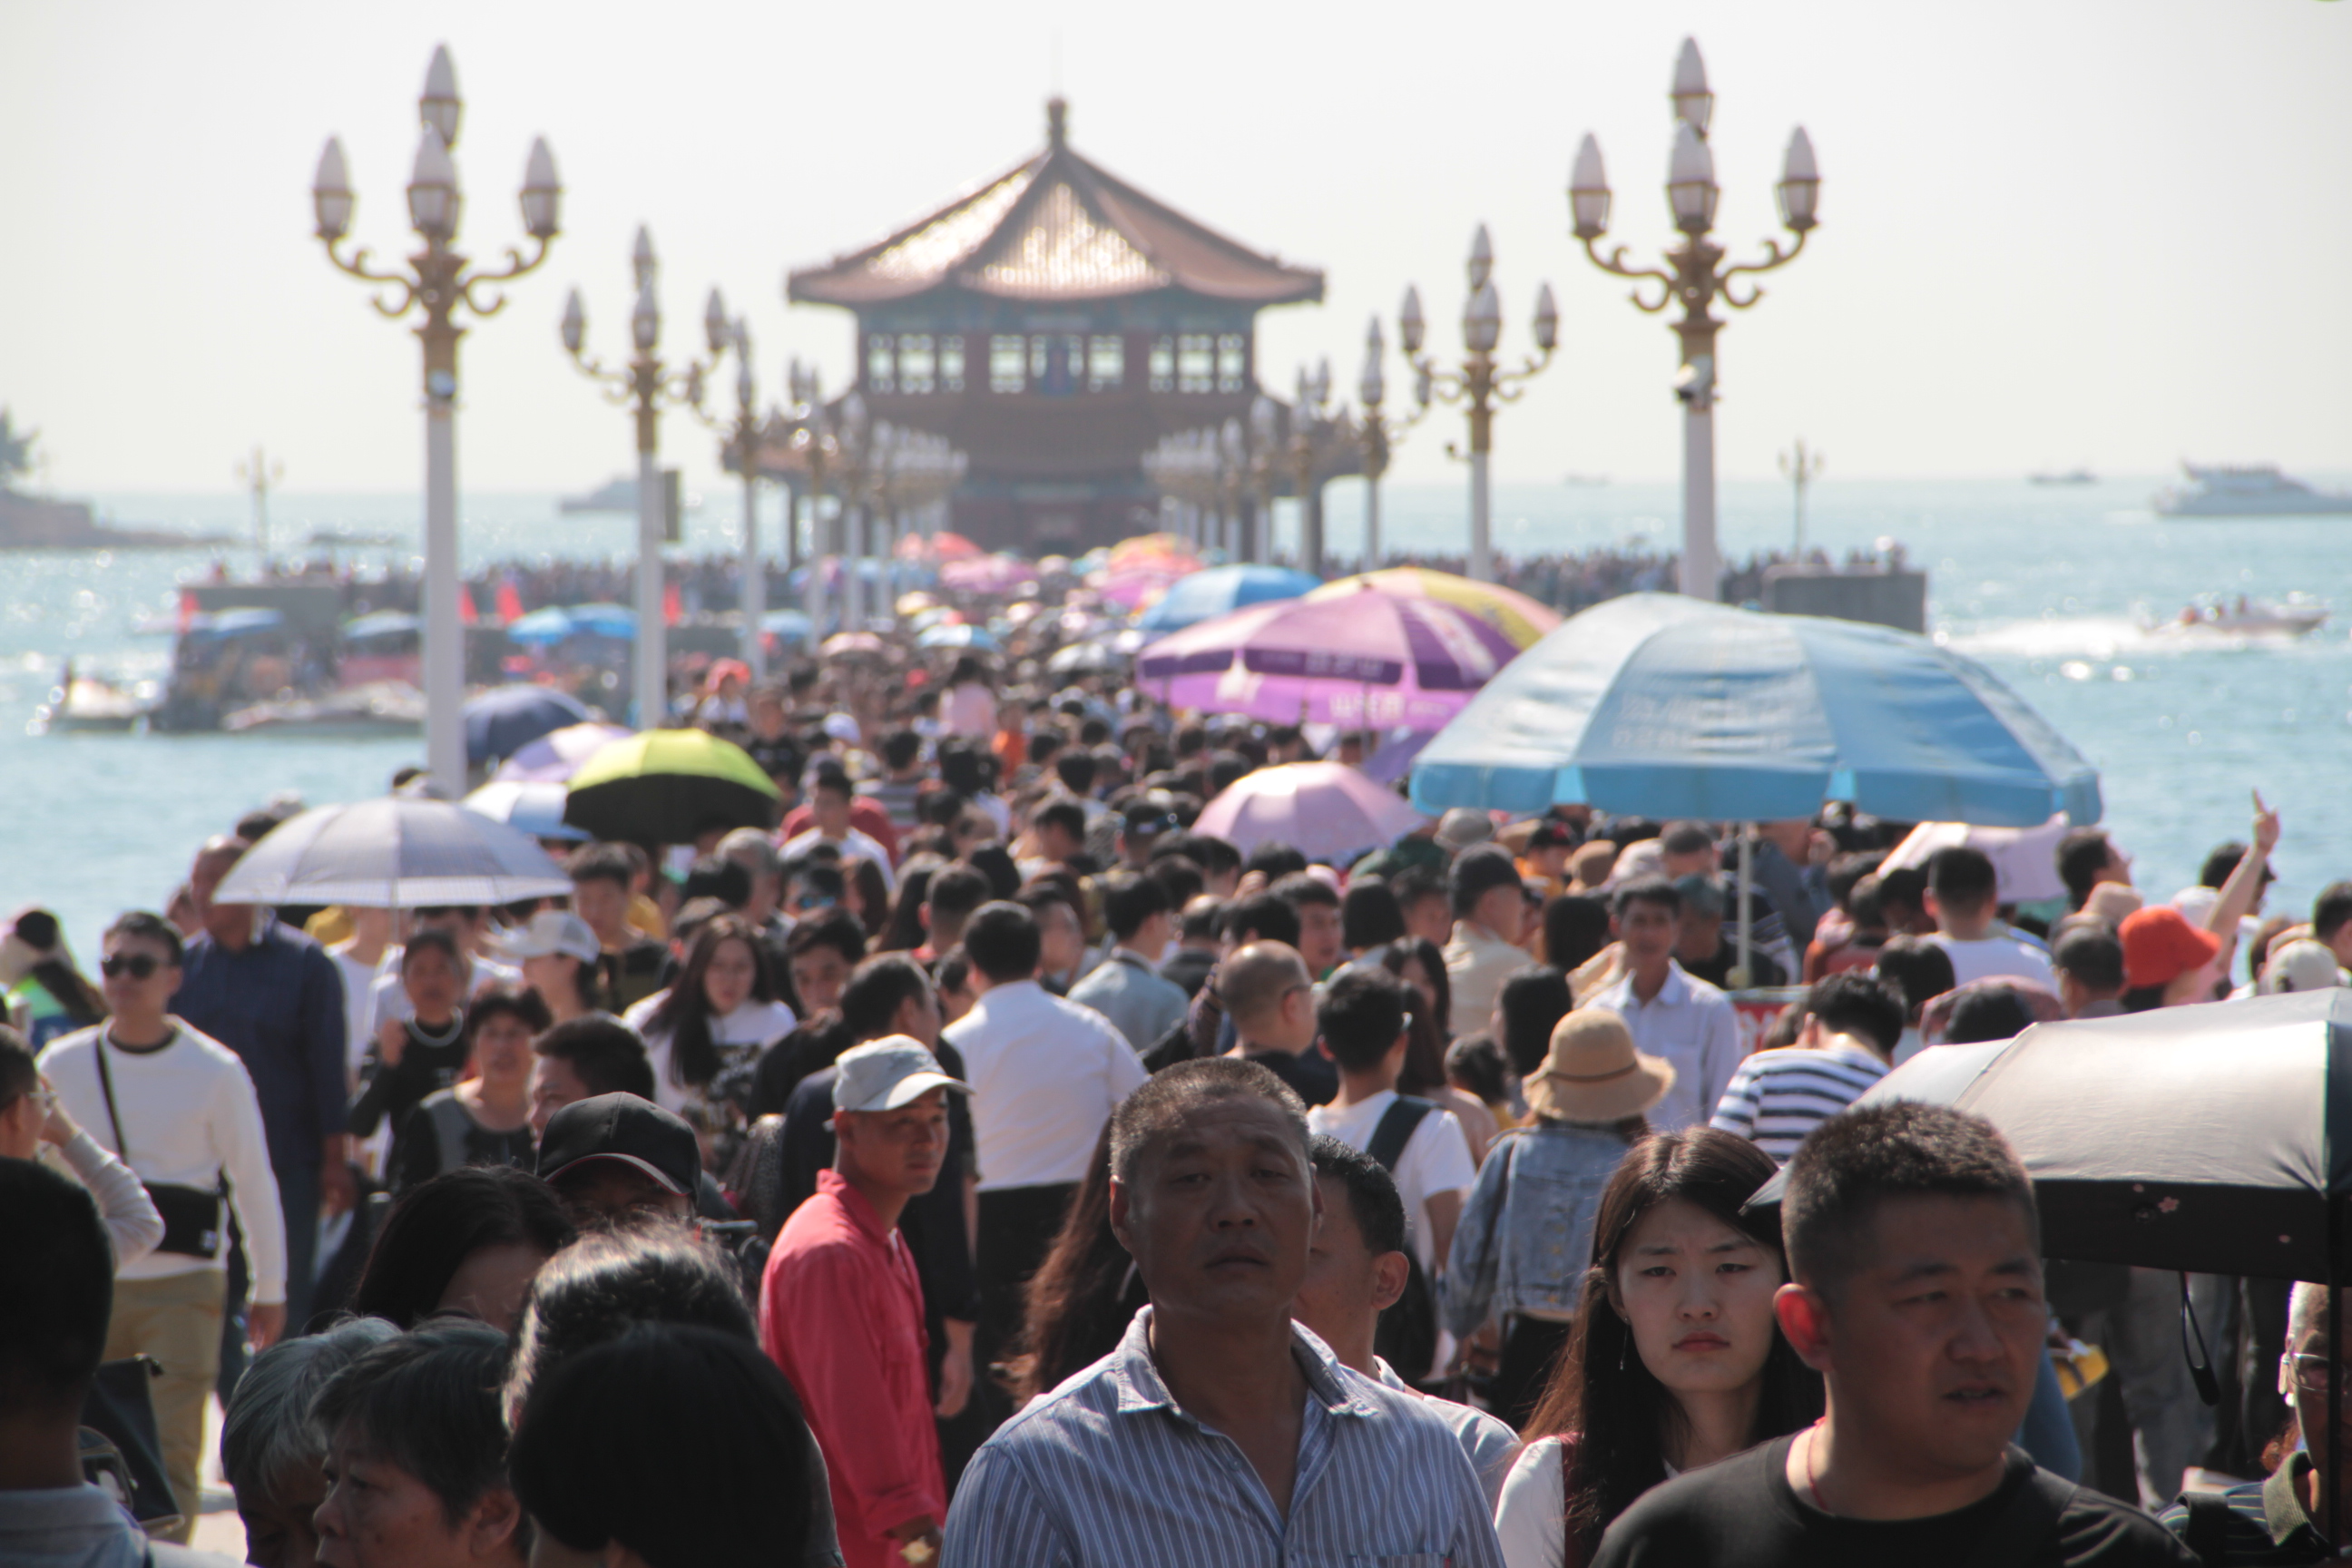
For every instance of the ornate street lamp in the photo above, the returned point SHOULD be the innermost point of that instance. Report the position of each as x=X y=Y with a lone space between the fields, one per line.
x=1380 y=434
x=1692 y=274
x=651 y=386
x=1476 y=384
x=743 y=445
x=436 y=282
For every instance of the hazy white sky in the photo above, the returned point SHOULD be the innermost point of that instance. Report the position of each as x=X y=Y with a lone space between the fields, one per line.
x=2110 y=232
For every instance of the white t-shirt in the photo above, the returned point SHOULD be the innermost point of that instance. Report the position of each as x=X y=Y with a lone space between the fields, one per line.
x=359 y=1007
x=1535 y=1496
x=1997 y=957
x=1436 y=1159
x=740 y=1036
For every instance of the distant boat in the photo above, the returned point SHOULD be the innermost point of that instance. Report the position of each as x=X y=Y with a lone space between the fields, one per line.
x=2297 y=615
x=337 y=538
x=2250 y=489
x=2071 y=477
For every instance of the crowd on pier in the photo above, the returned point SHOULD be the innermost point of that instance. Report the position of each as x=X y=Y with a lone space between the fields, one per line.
x=981 y=1162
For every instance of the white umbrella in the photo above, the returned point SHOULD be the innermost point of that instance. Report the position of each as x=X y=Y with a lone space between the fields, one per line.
x=1323 y=810
x=531 y=806
x=2024 y=859
x=392 y=853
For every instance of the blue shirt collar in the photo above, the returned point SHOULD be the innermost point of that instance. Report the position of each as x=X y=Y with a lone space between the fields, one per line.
x=1136 y=1377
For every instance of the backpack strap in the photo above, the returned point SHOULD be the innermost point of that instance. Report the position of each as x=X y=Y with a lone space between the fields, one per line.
x=2026 y=1524
x=1397 y=1125
x=2208 y=1534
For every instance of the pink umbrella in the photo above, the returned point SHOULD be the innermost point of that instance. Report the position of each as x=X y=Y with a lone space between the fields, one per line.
x=557 y=755
x=988 y=575
x=1365 y=660
x=1326 y=811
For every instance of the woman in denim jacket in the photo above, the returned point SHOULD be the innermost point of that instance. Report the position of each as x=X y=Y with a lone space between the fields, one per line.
x=1525 y=1239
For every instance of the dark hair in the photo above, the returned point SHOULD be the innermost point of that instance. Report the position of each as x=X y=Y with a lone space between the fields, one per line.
x=20 y=1074
x=2331 y=910
x=1425 y=1054
x=1276 y=858
x=2083 y=854
x=1959 y=874
x=604 y=863
x=1920 y=968
x=1263 y=916
x=57 y=1290
x=1076 y=1302
x=1685 y=838
x=1856 y=1001
x=1533 y=999
x=900 y=748
x=1575 y=929
x=1361 y=1015
x=1987 y=1012
x=1129 y=900
x=500 y=1002
x=904 y=930
x=837 y=929
x=1855 y=1161
x=154 y=928
x=1003 y=942
x=1474 y=1065
x=1068 y=815
x=1155 y=1108
x=831 y=778
x=1373 y=1196
x=1076 y=769
x=2094 y=955
x=596 y=1458
x=428 y=1402
x=431 y=939
x=1299 y=888
x=1368 y=915
x=431 y=1232
x=1179 y=877
x=1203 y=913
x=878 y=988
x=1646 y=890
x=1905 y=885
x=1847 y=872
x=684 y=1012
x=957 y=889
x=607 y=1056
x=1478 y=871
x=82 y=1002
x=1214 y=856
x=716 y=876
x=1601 y=1389
x=1415 y=884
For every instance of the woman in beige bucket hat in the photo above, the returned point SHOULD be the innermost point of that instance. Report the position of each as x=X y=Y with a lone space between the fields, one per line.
x=1593 y=1073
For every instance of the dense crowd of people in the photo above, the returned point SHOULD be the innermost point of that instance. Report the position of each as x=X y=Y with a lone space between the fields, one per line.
x=981 y=1162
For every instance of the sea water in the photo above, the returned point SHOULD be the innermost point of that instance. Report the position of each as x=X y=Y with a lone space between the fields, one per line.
x=2056 y=590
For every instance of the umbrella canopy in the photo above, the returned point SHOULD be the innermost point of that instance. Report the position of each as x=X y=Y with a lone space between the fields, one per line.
x=2024 y=859
x=502 y=721
x=529 y=805
x=555 y=623
x=2212 y=1139
x=1082 y=658
x=554 y=757
x=1326 y=811
x=986 y=573
x=1523 y=620
x=670 y=787
x=396 y=852
x=1219 y=591
x=1366 y=660
x=382 y=624
x=236 y=622
x=841 y=643
x=1665 y=706
x=957 y=634
x=787 y=625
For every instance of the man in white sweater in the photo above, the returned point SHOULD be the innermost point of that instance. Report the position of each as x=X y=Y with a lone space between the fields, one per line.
x=179 y=1109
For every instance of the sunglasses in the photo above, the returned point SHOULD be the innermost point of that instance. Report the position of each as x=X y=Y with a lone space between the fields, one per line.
x=138 y=966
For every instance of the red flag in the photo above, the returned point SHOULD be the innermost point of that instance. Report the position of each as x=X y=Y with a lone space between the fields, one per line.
x=509 y=602
x=670 y=610
x=187 y=609
x=466 y=617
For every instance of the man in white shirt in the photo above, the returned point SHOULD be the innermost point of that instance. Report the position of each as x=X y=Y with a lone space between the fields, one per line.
x=1963 y=900
x=1046 y=1075
x=1364 y=1026
x=178 y=1108
x=829 y=797
x=1671 y=1013
x=1490 y=915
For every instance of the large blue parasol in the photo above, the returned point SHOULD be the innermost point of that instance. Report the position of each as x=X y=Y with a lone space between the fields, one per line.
x=1667 y=707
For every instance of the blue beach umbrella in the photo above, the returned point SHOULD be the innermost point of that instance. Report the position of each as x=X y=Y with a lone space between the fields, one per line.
x=963 y=635
x=1666 y=707
x=1221 y=590
x=502 y=721
x=786 y=625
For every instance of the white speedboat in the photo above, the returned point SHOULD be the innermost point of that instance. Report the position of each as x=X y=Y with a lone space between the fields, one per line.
x=2251 y=489
x=2298 y=616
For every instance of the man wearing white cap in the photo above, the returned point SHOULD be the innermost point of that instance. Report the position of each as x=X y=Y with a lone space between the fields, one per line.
x=841 y=1311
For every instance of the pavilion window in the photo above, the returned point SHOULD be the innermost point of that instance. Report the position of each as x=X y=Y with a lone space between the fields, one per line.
x=1008 y=364
x=1163 y=365
x=880 y=363
x=1233 y=363
x=951 y=363
x=918 y=371
x=1057 y=363
x=1196 y=363
x=1106 y=362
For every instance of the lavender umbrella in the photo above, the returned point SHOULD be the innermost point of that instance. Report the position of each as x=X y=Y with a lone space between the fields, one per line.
x=1362 y=660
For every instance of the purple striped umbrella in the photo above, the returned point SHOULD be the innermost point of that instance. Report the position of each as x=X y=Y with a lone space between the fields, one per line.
x=1360 y=660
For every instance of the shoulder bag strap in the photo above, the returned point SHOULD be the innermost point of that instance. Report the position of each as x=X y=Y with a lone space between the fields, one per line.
x=106 y=1086
x=1398 y=1123
x=2019 y=1530
x=2209 y=1527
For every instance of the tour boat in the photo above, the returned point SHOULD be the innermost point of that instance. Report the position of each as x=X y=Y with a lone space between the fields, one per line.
x=2251 y=489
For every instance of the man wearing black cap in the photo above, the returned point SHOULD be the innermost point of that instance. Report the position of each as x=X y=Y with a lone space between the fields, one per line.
x=1490 y=915
x=1141 y=823
x=613 y=1157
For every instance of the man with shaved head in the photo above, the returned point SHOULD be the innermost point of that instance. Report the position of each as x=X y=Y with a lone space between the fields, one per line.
x=1270 y=997
x=274 y=996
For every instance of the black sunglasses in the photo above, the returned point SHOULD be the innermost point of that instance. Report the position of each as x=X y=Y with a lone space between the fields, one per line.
x=138 y=966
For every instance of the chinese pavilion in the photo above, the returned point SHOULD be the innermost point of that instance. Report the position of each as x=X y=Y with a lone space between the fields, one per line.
x=1054 y=324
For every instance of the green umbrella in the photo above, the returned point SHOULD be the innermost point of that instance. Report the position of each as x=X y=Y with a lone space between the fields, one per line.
x=669 y=786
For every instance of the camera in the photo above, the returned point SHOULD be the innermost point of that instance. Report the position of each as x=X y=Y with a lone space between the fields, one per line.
x=1695 y=383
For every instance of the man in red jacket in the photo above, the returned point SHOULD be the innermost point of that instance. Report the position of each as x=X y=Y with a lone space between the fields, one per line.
x=842 y=1313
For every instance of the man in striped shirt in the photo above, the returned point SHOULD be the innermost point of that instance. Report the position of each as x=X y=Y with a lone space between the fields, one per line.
x=1852 y=1022
x=1219 y=1431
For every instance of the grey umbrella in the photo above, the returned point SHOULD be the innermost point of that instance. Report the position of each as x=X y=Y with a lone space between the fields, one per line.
x=393 y=853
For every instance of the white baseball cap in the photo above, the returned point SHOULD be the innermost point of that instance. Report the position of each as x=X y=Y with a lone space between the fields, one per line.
x=552 y=932
x=885 y=1074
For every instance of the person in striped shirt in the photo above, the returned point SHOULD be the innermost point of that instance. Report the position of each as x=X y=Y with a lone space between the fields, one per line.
x=1852 y=1022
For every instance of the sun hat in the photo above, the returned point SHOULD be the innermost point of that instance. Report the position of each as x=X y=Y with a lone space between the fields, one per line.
x=885 y=1074
x=2160 y=946
x=1593 y=1073
x=1589 y=866
x=1462 y=826
x=553 y=931
x=2300 y=965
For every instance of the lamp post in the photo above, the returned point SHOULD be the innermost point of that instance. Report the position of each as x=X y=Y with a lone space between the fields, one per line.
x=1800 y=469
x=436 y=281
x=809 y=428
x=1309 y=430
x=1265 y=475
x=743 y=445
x=651 y=386
x=1477 y=385
x=1692 y=274
x=1380 y=434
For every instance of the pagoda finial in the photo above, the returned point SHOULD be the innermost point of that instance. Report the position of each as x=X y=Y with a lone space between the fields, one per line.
x=1057 y=121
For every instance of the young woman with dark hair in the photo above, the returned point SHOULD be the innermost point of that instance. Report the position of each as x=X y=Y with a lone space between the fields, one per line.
x=41 y=992
x=484 y=1118
x=904 y=931
x=470 y=1241
x=1085 y=1292
x=425 y=1052
x=868 y=890
x=1420 y=964
x=716 y=1017
x=1675 y=1359
x=1369 y=916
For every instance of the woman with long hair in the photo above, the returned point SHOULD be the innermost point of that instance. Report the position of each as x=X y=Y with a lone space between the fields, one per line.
x=1675 y=1360
x=1420 y=964
x=904 y=931
x=41 y=992
x=1083 y=1295
x=868 y=892
x=718 y=1017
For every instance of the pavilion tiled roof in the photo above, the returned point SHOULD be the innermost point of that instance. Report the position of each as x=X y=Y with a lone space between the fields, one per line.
x=1055 y=227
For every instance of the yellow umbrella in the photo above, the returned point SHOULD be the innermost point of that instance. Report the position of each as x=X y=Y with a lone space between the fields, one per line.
x=1523 y=620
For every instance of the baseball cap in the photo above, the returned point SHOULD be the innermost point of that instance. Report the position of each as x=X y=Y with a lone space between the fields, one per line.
x=1140 y=817
x=552 y=932
x=2301 y=966
x=624 y=1128
x=2160 y=946
x=885 y=1074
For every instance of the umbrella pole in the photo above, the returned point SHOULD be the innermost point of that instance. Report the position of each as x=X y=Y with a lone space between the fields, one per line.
x=1740 y=976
